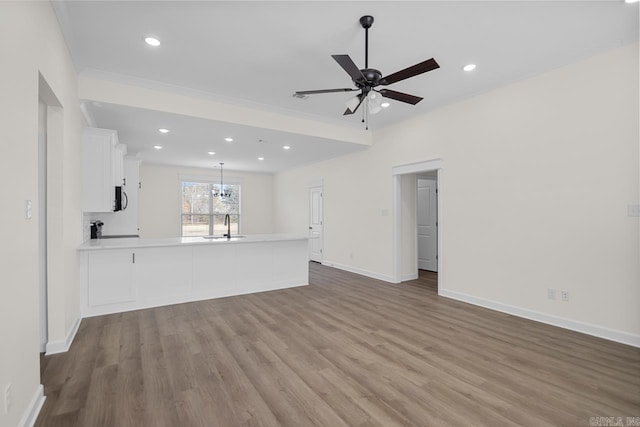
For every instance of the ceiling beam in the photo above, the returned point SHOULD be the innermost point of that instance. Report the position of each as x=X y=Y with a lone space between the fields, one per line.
x=135 y=95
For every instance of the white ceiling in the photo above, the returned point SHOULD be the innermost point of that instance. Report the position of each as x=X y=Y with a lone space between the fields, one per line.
x=260 y=53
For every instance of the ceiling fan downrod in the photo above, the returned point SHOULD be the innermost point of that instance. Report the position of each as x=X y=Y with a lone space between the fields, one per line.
x=366 y=22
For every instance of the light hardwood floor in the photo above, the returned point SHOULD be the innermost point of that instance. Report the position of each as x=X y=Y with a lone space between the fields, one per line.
x=345 y=351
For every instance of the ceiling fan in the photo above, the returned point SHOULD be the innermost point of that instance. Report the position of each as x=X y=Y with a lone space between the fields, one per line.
x=368 y=79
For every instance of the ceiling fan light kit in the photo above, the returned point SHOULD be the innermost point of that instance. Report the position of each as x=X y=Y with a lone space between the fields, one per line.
x=374 y=102
x=368 y=79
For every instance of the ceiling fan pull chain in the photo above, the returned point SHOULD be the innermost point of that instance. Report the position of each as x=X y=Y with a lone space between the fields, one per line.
x=365 y=114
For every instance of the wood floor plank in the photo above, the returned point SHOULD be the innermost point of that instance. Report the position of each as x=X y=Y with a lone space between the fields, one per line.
x=345 y=351
x=158 y=395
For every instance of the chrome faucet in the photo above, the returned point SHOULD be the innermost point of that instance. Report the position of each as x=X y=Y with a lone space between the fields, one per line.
x=227 y=222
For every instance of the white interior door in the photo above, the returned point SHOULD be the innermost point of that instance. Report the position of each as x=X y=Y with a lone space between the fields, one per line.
x=315 y=224
x=427 y=218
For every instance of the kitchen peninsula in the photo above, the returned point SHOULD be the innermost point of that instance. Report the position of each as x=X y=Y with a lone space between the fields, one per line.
x=134 y=273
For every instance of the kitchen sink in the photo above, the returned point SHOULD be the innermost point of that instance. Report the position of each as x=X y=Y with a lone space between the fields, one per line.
x=222 y=237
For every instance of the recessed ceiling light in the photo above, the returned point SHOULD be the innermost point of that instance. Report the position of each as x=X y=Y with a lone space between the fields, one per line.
x=211 y=153
x=152 y=41
x=164 y=130
x=631 y=1
x=469 y=67
x=260 y=158
x=286 y=147
x=158 y=147
x=228 y=139
x=385 y=104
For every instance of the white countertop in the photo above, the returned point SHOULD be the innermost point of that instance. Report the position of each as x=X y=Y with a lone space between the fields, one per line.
x=128 y=243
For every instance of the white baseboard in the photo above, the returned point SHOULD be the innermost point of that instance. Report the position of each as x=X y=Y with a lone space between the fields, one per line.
x=31 y=414
x=357 y=270
x=410 y=276
x=585 y=328
x=54 y=347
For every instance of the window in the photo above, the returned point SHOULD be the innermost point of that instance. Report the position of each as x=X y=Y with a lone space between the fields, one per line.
x=203 y=214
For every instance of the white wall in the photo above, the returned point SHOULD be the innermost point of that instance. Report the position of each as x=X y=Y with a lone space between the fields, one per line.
x=31 y=43
x=357 y=209
x=159 y=197
x=534 y=192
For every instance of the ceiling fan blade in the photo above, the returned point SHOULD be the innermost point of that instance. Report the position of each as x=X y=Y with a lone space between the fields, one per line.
x=349 y=66
x=348 y=111
x=312 y=92
x=423 y=67
x=399 y=96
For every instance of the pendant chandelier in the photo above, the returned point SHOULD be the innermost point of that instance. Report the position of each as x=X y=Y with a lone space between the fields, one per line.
x=221 y=192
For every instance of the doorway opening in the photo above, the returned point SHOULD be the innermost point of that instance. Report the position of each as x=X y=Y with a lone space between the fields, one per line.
x=50 y=134
x=42 y=224
x=417 y=228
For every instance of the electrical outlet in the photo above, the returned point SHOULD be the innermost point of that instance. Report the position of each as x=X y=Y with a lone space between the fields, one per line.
x=551 y=293
x=564 y=296
x=7 y=399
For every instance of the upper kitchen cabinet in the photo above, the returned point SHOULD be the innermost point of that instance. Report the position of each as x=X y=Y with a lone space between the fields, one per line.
x=117 y=165
x=102 y=169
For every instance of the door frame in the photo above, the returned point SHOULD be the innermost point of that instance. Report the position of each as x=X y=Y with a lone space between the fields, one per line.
x=414 y=169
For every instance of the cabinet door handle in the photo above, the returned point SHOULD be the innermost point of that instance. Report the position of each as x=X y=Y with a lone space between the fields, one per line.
x=133 y=257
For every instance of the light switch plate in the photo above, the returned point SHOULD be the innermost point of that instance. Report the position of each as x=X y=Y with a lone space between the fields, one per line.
x=28 y=209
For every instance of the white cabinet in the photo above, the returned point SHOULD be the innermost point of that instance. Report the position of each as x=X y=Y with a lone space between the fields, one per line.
x=102 y=168
x=136 y=278
x=162 y=274
x=117 y=165
x=143 y=276
x=215 y=270
x=110 y=277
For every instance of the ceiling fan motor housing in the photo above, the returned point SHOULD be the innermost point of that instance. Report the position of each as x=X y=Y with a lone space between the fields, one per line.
x=372 y=78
